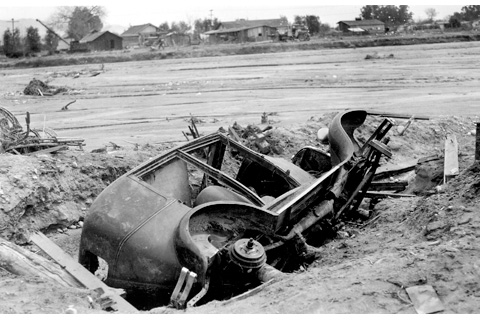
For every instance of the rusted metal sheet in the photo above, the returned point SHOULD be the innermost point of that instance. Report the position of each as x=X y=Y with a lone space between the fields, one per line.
x=148 y=230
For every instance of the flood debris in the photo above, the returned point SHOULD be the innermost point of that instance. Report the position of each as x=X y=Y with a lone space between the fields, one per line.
x=375 y=55
x=192 y=128
x=451 y=169
x=14 y=139
x=81 y=275
x=425 y=299
x=39 y=88
x=226 y=229
x=65 y=107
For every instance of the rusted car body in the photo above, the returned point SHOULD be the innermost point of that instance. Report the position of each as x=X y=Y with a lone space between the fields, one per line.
x=229 y=216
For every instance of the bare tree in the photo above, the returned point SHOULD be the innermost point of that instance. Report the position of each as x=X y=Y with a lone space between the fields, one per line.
x=431 y=14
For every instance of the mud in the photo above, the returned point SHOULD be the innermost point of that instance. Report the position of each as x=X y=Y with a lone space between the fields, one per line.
x=365 y=266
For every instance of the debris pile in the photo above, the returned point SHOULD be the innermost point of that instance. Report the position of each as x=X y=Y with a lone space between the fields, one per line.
x=375 y=55
x=14 y=140
x=40 y=88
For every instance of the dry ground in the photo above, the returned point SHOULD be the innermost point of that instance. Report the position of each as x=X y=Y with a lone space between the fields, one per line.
x=431 y=239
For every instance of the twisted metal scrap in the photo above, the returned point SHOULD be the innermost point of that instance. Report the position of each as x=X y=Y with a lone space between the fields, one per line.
x=10 y=129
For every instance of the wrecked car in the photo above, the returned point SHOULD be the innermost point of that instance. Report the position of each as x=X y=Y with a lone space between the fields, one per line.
x=211 y=219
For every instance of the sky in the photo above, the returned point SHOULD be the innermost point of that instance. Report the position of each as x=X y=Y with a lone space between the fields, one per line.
x=127 y=13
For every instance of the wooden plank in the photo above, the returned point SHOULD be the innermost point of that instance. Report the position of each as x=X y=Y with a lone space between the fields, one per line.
x=477 y=142
x=49 y=150
x=22 y=262
x=390 y=173
x=388 y=186
x=233 y=134
x=397 y=115
x=79 y=272
x=450 y=169
x=428 y=159
x=376 y=194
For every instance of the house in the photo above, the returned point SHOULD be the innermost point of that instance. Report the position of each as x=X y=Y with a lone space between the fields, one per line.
x=101 y=41
x=136 y=35
x=371 y=26
x=247 y=30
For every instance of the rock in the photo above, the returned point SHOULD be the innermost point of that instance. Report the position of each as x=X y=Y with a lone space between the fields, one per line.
x=80 y=224
x=343 y=234
x=322 y=135
x=435 y=226
x=464 y=219
x=72 y=226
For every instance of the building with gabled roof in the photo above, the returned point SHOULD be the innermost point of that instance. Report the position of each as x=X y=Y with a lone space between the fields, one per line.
x=370 y=25
x=101 y=41
x=136 y=35
x=248 y=30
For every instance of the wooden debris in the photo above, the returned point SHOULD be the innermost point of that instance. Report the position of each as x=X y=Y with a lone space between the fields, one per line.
x=397 y=115
x=450 y=169
x=380 y=175
x=388 y=186
x=233 y=134
x=264 y=118
x=425 y=300
x=405 y=127
x=50 y=150
x=82 y=275
x=477 y=142
x=66 y=106
x=376 y=194
x=390 y=173
x=115 y=146
x=22 y=262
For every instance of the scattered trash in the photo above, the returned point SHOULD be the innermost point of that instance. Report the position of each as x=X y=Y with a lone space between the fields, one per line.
x=425 y=299
x=40 y=88
x=14 y=140
x=376 y=56
x=65 y=108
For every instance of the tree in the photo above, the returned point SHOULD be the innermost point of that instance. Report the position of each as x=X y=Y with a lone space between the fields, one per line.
x=32 y=40
x=390 y=14
x=11 y=43
x=204 y=25
x=431 y=13
x=51 y=42
x=78 y=21
x=454 y=20
x=299 y=20
x=470 y=13
x=313 y=24
x=164 y=27
x=82 y=22
x=180 y=27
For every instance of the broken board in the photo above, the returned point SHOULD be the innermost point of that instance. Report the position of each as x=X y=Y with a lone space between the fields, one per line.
x=425 y=299
x=450 y=169
x=79 y=272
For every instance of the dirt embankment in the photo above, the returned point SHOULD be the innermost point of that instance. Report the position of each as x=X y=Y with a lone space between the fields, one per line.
x=239 y=49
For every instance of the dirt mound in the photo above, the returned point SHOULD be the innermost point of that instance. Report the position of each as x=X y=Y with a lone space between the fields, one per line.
x=364 y=268
x=54 y=191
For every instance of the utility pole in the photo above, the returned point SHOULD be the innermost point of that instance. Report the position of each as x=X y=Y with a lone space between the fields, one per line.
x=13 y=30
x=211 y=17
